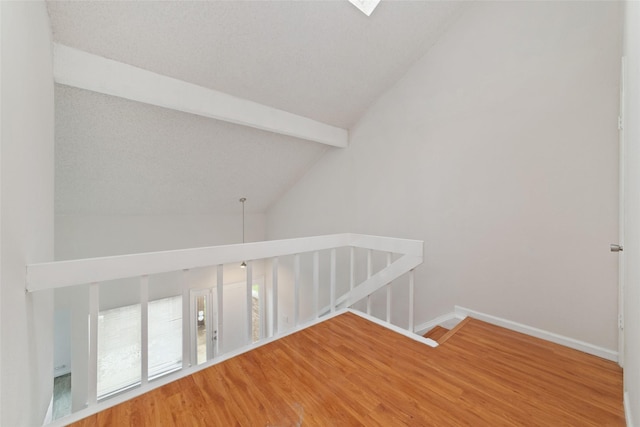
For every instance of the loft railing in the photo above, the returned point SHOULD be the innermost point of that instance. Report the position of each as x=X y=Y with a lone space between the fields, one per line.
x=399 y=259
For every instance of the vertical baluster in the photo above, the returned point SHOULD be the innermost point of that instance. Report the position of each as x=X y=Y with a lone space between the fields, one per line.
x=210 y=322
x=144 y=330
x=333 y=281
x=186 y=321
x=352 y=267
x=274 y=296
x=411 y=290
x=296 y=289
x=249 y=304
x=219 y=301
x=261 y=314
x=193 y=327
x=316 y=283
x=94 y=307
x=369 y=271
x=389 y=290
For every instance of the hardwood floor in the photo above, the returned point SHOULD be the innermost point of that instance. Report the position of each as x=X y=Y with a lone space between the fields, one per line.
x=348 y=371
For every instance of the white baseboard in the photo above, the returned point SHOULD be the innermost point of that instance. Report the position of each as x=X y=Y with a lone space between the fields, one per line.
x=539 y=333
x=423 y=328
x=627 y=410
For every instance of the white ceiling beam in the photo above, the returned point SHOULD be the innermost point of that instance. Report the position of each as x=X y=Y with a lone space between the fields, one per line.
x=73 y=67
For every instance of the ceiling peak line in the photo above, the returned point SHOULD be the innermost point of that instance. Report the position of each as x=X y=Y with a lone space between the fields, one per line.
x=76 y=68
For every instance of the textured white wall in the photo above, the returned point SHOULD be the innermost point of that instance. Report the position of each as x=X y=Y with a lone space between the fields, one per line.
x=82 y=236
x=26 y=213
x=498 y=148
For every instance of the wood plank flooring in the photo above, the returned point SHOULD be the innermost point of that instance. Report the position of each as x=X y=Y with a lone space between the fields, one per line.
x=348 y=372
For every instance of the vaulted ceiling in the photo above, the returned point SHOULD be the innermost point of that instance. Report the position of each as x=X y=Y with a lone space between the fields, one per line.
x=324 y=60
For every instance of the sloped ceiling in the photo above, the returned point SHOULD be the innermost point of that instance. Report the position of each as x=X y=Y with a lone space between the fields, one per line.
x=117 y=156
x=321 y=59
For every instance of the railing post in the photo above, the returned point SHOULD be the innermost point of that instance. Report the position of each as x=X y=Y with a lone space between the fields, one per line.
x=220 y=312
x=411 y=292
x=144 y=330
x=192 y=319
x=249 y=304
x=296 y=289
x=316 y=284
x=274 y=296
x=211 y=332
x=369 y=272
x=186 y=319
x=389 y=291
x=262 y=318
x=94 y=307
x=333 y=281
x=352 y=267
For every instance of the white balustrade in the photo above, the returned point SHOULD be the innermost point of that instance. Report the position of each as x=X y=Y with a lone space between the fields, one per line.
x=249 y=307
x=296 y=289
x=55 y=275
x=94 y=307
x=316 y=283
x=389 y=256
x=187 y=357
x=332 y=284
x=274 y=296
x=369 y=272
x=220 y=301
x=144 y=332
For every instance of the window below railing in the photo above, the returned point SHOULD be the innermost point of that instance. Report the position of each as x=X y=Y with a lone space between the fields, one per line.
x=119 y=344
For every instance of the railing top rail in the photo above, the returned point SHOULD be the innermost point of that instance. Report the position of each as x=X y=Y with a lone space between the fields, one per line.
x=388 y=244
x=91 y=270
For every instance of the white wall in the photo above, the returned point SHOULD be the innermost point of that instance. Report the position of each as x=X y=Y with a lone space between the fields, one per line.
x=632 y=213
x=85 y=236
x=498 y=148
x=26 y=212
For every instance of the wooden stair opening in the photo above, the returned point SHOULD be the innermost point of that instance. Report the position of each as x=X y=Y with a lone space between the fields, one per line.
x=440 y=334
x=436 y=333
